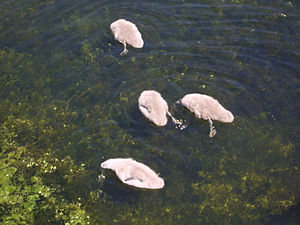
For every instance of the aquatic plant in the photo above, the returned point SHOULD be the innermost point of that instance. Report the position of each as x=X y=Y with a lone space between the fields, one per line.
x=33 y=178
x=66 y=103
x=28 y=195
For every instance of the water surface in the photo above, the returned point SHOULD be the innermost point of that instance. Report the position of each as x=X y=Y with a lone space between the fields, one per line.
x=69 y=101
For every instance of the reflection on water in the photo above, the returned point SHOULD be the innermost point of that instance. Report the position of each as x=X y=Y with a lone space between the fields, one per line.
x=69 y=101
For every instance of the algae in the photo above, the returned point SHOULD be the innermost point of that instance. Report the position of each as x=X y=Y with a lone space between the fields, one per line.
x=68 y=102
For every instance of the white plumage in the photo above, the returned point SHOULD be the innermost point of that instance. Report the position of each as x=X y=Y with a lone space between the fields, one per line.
x=154 y=107
x=127 y=33
x=208 y=108
x=134 y=173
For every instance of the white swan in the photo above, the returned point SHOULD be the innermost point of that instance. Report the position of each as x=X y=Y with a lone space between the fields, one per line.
x=127 y=33
x=134 y=173
x=208 y=108
x=154 y=107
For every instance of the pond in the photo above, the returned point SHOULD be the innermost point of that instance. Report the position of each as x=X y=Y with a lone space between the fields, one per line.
x=69 y=101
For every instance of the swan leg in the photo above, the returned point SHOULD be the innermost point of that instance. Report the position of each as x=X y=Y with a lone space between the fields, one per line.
x=125 y=51
x=212 y=129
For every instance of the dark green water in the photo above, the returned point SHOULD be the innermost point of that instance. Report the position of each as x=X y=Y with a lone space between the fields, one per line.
x=68 y=101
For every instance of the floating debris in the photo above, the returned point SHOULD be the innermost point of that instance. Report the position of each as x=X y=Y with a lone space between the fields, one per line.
x=127 y=33
x=134 y=173
x=208 y=108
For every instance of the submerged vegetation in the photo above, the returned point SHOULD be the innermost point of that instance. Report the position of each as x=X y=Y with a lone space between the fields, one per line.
x=68 y=102
x=247 y=183
x=33 y=179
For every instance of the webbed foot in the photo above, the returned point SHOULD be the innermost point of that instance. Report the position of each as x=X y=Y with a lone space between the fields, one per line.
x=179 y=124
x=125 y=51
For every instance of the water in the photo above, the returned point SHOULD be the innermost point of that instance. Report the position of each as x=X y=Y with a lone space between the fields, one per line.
x=62 y=73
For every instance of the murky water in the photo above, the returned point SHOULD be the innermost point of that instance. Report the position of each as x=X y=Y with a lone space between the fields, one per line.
x=61 y=69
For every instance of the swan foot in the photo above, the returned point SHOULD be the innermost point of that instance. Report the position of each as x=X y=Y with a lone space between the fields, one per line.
x=179 y=124
x=125 y=51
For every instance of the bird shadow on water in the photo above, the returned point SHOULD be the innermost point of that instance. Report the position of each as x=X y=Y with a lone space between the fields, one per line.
x=112 y=187
x=139 y=126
